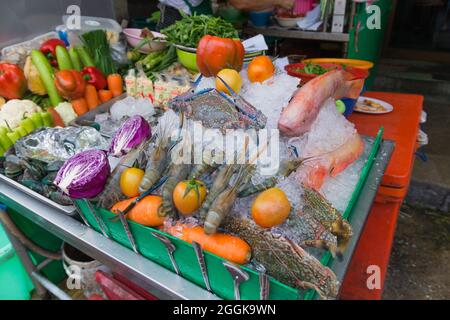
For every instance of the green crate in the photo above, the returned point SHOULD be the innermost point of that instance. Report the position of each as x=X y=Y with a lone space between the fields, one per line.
x=220 y=280
x=15 y=284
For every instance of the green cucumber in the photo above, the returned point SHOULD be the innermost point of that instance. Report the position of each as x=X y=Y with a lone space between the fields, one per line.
x=63 y=58
x=85 y=57
x=75 y=58
x=46 y=73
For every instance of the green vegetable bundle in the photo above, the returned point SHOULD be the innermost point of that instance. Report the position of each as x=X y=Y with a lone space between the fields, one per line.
x=97 y=44
x=158 y=61
x=189 y=30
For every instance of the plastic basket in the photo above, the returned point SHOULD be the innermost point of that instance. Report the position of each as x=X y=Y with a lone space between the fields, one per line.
x=15 y=283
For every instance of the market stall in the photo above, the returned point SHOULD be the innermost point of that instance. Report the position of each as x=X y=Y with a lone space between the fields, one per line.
x=99 y=148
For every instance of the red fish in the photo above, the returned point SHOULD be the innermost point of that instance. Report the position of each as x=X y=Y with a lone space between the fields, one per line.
x=304 y=107
x=331 y=164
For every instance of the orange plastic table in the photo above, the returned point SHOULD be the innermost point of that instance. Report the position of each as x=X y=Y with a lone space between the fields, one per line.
x=374 y=246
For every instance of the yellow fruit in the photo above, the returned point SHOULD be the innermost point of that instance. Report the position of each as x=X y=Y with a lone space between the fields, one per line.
x=232 y=78
x=271 y=208
x=130 y=181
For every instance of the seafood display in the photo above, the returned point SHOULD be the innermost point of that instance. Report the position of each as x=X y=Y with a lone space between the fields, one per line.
x=225 y=202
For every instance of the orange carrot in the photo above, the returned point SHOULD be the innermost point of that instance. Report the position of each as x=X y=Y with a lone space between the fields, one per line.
x=91 y=97
x=57 y=121
x=145 y=212
x=115 y=84
x=226 y=246
x=105 y=95
x=80 y=106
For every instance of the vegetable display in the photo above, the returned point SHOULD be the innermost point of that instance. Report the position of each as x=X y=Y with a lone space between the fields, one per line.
x=189 y=30
x=131 y=134
x=12 y=81
x=215 y=54
x=84 y=175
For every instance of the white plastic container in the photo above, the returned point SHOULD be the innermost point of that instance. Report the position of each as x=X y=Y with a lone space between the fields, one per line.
x=92 y=23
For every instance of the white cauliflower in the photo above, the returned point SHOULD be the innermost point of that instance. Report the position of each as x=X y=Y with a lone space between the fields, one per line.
x=66 y=112
x=14 y=111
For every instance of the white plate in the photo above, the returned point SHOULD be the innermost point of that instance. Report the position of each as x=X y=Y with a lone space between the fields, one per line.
x=363 y=108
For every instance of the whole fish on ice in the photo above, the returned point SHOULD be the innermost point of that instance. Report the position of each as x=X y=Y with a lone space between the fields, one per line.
x=304 y=107
x=326 y=135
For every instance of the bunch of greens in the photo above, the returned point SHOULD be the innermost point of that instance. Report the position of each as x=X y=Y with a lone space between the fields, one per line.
x=97 y=44
x=189 y=30
x=158 y=61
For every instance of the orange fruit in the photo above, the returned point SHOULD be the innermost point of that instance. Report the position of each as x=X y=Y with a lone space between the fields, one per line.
x=188 y=196
x=145 y=212
x=271 y=208
x=232 y=78
x=260 y=69
x=130 y=179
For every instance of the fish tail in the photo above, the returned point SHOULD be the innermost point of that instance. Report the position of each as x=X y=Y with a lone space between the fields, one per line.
x=354 y=88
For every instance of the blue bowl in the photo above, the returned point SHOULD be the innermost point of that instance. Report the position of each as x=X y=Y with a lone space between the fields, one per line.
x=260 y=18
x=351 y=103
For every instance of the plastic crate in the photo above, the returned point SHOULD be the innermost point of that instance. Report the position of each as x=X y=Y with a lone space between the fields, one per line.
x=220 y=280
x=15 y=284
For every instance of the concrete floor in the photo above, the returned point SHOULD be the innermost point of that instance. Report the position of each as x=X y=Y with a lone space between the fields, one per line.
x=420 y=256
x=421 y=251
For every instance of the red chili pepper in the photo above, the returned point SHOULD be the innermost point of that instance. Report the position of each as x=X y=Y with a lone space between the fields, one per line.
x=95 y=77
x=49 y=49
x=12 y=81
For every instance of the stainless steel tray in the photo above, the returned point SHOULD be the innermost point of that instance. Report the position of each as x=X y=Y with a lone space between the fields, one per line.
x=69 y=210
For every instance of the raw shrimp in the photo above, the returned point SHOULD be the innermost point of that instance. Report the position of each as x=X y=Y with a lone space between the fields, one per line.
x=177 y=173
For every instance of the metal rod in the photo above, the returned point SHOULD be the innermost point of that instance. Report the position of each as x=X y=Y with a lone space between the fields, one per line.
x=100 y=222
x=53 y=289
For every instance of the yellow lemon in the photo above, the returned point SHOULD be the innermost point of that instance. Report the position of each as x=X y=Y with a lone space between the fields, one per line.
x=232 y=78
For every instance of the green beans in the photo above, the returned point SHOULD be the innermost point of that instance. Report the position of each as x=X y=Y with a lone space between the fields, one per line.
x=191 y=29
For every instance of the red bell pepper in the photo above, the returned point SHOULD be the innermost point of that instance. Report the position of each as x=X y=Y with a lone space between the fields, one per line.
x=70 y=84
x=95 y=77
x=12 y=81
x=215 y=54
x=48 y=48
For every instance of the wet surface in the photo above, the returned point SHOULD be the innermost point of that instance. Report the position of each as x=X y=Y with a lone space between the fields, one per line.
x=419 y=263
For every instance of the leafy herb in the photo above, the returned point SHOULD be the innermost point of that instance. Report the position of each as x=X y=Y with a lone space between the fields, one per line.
x=189 y=30
x=96 y=43
x=312 y=68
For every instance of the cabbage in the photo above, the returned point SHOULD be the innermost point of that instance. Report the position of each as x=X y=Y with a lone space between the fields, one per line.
x=131 y=134
x=84 y=175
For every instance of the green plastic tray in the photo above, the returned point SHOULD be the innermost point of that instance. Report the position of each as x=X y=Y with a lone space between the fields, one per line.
x=220 y=280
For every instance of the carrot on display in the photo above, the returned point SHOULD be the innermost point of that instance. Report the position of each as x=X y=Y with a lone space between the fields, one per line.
x=91 y=97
